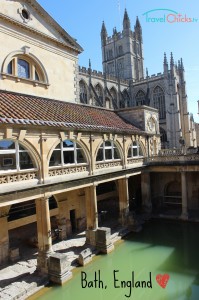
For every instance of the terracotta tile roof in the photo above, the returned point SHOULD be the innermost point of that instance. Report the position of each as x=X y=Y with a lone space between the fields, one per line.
x=30 y=110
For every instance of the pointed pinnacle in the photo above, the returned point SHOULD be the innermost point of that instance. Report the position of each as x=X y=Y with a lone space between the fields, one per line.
x=165 y=59
x=171 y=60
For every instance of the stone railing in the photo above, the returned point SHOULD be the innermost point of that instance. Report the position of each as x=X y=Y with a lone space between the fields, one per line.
x=131 y=161
x=103 y=165
x=169 y=152
x=18 y=176
x=67 y=170
x=174 y=158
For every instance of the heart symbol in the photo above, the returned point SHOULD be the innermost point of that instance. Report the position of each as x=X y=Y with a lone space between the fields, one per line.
x=162 y=280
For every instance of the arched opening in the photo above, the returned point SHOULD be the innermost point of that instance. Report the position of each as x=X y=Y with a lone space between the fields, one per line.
x=135 y=150
x=14 y=157
x=173 y=197
x=107 y=151
x=67 y=153
x=126 y=98
x=83 y=92
x=135 y=194
x=113 y=93
x=107 y=204
x=140 y=98
x=22 y=224
x=99 y=92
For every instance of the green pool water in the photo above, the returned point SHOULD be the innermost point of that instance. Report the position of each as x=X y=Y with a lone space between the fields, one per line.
x=162 y=247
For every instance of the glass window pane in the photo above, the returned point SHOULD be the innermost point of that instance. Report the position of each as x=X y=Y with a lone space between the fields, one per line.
x=100 y=155
x=23 y=68
x=140 y=151
x=68 y=144
x=7 y=145
x=55 y=159
x=58 y=146
x=80 y=157
x=129 y=152
x=7 y=162
x=108 y=154
x=25 y=161
x=108 y=143
x=135 y=152
x=68 y=157
x=36 y=76
x=9 y=68
x=116 y=153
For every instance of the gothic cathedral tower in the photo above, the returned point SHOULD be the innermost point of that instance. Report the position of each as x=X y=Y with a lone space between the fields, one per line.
x=122 y=53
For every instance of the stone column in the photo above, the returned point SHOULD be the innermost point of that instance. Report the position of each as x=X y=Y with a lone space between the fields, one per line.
x=44 y=234
x=123 y=199
x=4 y=240
x=184 y=195
x=91 y=213
x=146 y=193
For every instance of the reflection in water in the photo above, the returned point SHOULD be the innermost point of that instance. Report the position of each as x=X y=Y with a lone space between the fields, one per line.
x=163 y=247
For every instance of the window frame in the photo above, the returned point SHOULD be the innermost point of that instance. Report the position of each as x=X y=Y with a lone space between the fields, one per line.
x=62 y=149
x=132 y=147
x=16 y=150
x=104 y=148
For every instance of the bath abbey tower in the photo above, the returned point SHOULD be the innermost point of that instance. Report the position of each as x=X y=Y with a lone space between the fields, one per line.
x=124 y=83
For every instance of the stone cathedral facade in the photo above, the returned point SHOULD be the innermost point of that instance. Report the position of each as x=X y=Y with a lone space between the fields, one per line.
x=123 y=83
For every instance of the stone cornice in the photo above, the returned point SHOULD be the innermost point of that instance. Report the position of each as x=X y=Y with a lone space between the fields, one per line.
x=41 y=34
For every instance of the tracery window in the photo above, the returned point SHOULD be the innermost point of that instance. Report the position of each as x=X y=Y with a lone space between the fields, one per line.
x=14 y=156
x=140 y=98
x=67 y=152
x=114 y=97
x=83 y=92
x=159 y=101
x=126 y=98
x=107 y=151
x=135 y=150
x=99 y=93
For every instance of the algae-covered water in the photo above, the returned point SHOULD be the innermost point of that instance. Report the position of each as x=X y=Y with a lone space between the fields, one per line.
x=166 y=249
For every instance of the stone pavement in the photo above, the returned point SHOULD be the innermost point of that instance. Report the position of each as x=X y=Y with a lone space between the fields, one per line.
x=19 y=280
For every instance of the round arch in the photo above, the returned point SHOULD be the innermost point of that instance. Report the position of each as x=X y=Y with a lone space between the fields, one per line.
x=31 y=58
x=82 y=145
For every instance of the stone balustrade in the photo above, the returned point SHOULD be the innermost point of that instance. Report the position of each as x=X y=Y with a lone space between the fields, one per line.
x=18 y=176
x=67 y=170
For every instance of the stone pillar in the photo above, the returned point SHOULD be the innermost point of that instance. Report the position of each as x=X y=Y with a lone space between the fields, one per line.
x=4 y=240
x=91 y=214
x=123 y=199
x=44 y=234
x=146 y=193
x=184 y=196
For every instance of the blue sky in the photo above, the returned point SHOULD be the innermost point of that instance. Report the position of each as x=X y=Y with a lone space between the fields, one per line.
x=83 y=20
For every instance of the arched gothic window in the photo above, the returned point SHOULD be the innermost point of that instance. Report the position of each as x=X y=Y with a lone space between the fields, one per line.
x=126 y=98
x=67 y=152
x=83 y=92
x=135 y=150
x=114 y=97
x=99 y=93
x=14 y=157
x=140 y=98
x=159 y=101
x=107 y=151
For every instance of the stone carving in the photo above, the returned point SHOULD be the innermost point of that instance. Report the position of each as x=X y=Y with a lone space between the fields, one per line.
x=85 y=257
x=135 y=160
x=68 y=170
x=17 y=177
x=108 y=165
